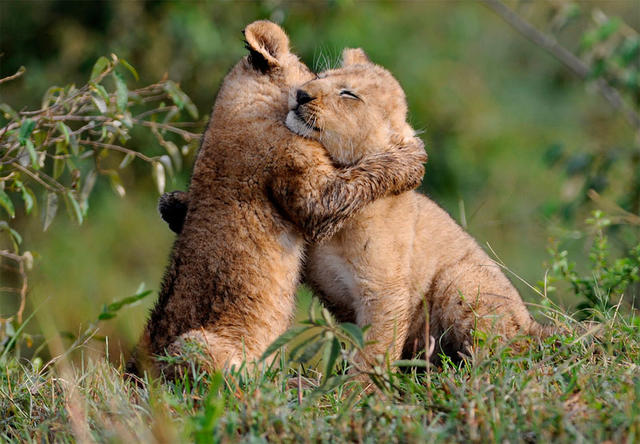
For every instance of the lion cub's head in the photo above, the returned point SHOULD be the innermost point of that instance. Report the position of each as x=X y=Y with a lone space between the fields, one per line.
x=357 y=109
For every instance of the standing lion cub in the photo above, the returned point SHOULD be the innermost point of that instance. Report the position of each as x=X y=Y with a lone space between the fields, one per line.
x=401 y=257
x=257 y=192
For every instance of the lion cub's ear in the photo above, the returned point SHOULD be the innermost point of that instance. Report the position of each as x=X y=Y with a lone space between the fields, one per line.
x=267 y=44
x=354 y=56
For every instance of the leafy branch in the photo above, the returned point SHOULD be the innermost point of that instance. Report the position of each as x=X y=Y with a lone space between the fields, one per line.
x=58 y=151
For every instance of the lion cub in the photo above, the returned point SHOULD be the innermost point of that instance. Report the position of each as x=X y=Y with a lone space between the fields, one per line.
x=403 y=251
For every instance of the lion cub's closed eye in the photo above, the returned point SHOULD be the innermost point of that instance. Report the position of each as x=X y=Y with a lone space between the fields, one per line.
x=400 y=251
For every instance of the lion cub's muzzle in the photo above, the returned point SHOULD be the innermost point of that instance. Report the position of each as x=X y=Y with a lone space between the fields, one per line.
x=297 y=119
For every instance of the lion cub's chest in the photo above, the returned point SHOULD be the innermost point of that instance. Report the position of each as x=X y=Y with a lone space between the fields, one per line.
x=370 y=251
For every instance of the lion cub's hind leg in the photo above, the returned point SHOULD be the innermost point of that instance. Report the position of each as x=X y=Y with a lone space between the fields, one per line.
x=207 y=349
x=474 y=296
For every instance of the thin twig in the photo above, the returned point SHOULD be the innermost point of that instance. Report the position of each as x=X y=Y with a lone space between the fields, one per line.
x=20 y=71
x=116 y=148
x=57 y=189
x=566 y=57
x=186 y=135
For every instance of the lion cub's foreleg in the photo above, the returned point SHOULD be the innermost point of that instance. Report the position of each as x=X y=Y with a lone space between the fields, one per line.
x=387 y=312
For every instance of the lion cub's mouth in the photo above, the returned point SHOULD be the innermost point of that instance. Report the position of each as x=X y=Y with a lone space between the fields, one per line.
x=298 y=124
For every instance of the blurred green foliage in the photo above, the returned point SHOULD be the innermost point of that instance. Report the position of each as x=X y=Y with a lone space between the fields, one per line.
x=515 y=139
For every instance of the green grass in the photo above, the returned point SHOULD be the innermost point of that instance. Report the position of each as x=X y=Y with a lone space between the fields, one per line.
x=580 y=387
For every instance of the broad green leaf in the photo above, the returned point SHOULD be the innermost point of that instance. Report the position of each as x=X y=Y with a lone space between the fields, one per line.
x=16 y=239
x=75 y=207
x=130 y=68
x=25 y=130
x=27 y=196
x=122 y=93
x=331 y=353
x=99 y=67
x=310 y=351
x=101 y=91
x=59 y=163
x=51 y=208
x=75 y=148
x=5 y=202
x=355 y=332
x=295 y=351
x=99 y=103
x=158 y=176
x=65 y=130
x=283 y=339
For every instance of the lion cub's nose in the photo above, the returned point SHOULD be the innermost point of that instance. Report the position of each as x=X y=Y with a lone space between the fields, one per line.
x=302 y=97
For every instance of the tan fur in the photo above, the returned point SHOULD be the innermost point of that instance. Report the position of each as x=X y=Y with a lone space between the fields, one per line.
x=257 y=193
x=403 y=251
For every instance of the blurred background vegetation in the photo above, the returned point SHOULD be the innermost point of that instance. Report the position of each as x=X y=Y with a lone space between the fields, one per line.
x=515 y=139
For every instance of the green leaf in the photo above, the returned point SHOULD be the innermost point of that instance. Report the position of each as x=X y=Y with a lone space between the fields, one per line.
x=27 y=196
x=99 y=103
x=25 y=130
x=65 y=130
x=99 y=67
x=87 y=187
x=354 y=332
x=101 y=91
x=126 y=160
x=33 y=155
x=131 y=69
x=295 y=351
x=75 y=207
x=58 y=164
x=410 y=363
x=332 y=351
x=115 y=306
x=5 y=202
x=16 y=238
x=311 y=351
x=284 y=338
x=105 y=316
x=180 y=98
x=46 y=99
x=122 y=93
x=51 y=208
x=9 y=112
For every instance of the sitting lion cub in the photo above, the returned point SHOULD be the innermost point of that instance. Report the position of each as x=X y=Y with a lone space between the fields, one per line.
x=400 y=251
